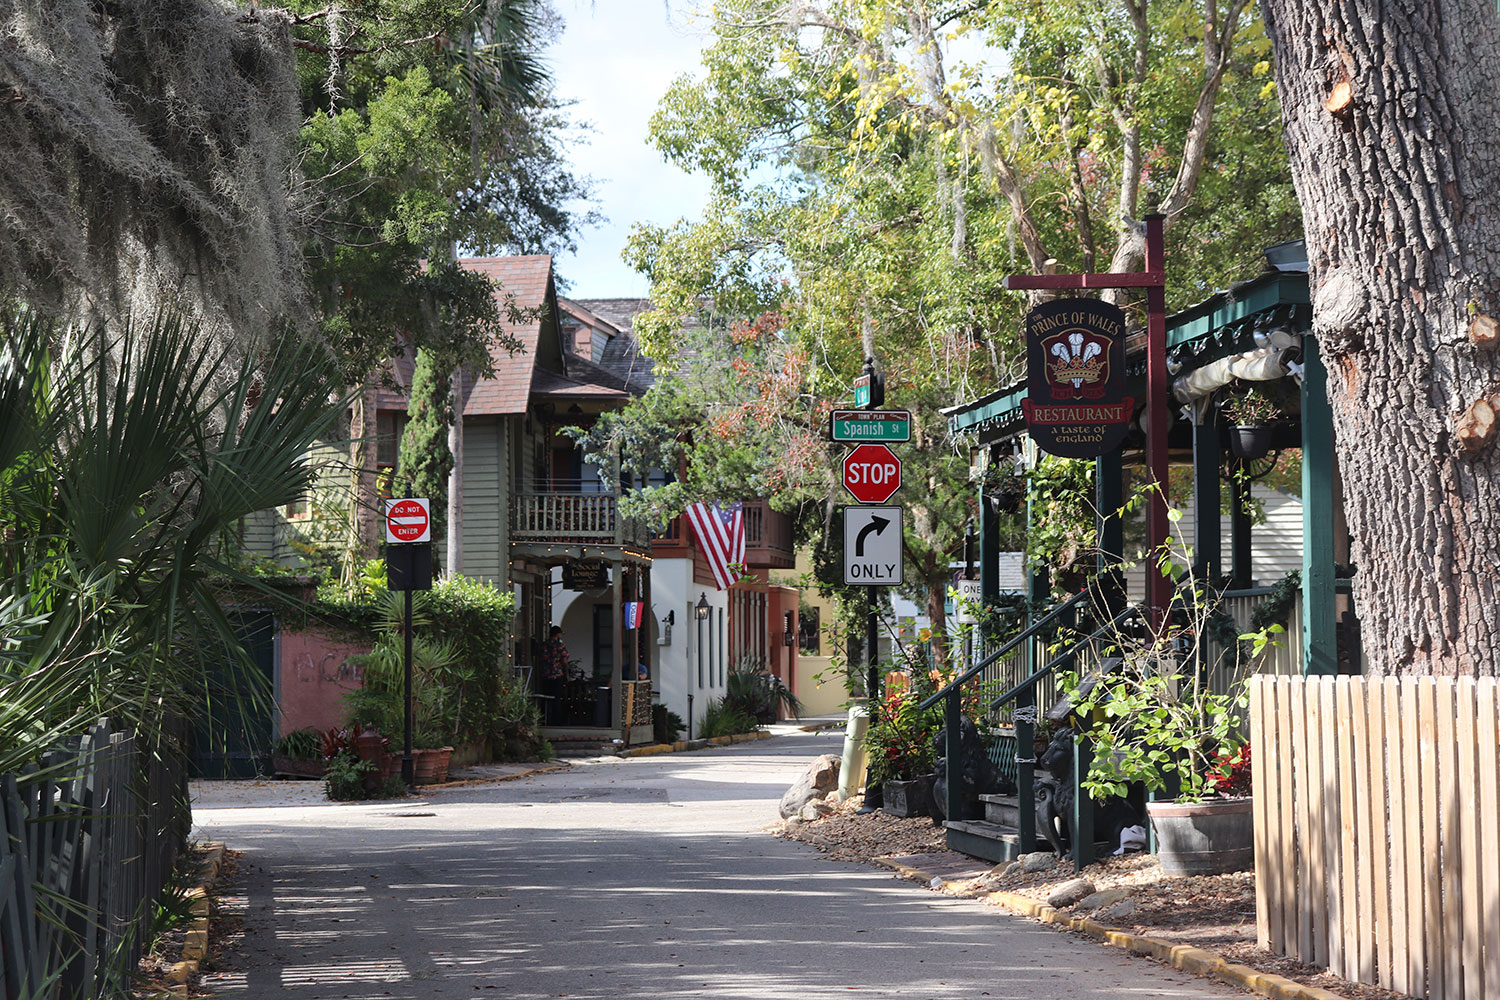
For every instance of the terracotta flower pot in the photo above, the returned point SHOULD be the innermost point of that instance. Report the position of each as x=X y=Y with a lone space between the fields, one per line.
x=430 y=767
x=1203 y=838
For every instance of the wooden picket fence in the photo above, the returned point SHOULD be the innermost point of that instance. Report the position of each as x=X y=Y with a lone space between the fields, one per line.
x=87 y=841
x=1377 y=829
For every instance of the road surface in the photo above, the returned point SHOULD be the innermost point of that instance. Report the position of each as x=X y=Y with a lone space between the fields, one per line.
x=644 y=878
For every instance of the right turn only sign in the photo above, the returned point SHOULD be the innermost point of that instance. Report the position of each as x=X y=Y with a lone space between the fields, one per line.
x=872 y=546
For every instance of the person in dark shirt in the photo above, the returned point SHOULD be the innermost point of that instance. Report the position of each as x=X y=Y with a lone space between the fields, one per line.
x=554 y=671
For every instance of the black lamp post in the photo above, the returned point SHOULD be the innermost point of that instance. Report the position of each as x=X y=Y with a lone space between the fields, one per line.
x=702 y=612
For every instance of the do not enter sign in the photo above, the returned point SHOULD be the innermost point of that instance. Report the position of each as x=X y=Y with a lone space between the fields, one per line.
x=407 y=520
x=872 y=472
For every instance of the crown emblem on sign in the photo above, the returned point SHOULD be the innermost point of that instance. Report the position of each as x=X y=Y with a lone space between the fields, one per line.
x=1078 y=371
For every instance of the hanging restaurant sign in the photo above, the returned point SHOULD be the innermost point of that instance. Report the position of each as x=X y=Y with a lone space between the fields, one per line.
x=1076 y=405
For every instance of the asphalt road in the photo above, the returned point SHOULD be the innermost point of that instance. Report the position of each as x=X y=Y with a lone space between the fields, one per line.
x=647 y=878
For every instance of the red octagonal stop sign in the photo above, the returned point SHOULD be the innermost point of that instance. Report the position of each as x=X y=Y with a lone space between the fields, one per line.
x=407 y=520
x=872 y=472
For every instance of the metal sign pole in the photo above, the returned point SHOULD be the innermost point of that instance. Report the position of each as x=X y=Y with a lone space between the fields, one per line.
x=407 y=769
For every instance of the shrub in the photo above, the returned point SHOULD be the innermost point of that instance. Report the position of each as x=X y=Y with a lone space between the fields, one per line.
x=900 y=738
x=723 y=719
x=344 y=778
x=666 y=725
x=303 y=744
x=753 y=692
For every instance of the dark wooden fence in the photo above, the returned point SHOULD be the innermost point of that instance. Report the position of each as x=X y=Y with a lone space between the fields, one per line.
x=87 y=841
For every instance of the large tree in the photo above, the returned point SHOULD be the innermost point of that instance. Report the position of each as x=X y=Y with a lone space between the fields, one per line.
x=879 y=167
x=1392 y=118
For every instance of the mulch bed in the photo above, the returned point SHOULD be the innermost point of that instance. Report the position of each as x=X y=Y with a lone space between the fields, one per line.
x=1215 y=912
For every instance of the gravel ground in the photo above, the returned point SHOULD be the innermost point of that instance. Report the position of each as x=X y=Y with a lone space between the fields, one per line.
x=1216 y=912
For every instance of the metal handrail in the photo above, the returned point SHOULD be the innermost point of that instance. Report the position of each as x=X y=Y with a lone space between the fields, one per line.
x=1067 y=655
x=1026 y=633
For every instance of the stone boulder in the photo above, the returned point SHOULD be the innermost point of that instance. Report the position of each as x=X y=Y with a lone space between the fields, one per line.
x=816 y=809
x=820 y=778
x=1070 y=892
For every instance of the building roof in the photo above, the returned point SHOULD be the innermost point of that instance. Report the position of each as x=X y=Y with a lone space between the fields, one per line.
x=525 y=283
x=618 y=313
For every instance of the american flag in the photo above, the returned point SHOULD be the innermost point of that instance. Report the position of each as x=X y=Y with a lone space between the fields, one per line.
x=721 y=533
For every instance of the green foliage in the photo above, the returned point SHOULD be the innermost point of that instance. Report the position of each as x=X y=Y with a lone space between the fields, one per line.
x=900 y=737
x=722 y=719
x=1251 y=408
x=666 y=725
x=300 y=744
x=127 y=456
x=1157 y=719
x=751 y=691
x=344 y=778
x=429 y=125
x=425 y=459
x=1060 y=492
x=459 y=692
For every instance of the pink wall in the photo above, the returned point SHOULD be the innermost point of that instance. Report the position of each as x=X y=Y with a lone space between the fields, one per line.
x=313 y=673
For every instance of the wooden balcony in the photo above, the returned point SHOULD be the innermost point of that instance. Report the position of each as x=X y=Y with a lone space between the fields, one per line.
x=579 y=518
x=768 y=537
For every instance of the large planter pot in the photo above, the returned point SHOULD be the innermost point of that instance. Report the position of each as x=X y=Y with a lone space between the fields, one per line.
x=296 y=767
x=430 y=767
x=1249 y=442
x=1203 y=838
x=908 y=798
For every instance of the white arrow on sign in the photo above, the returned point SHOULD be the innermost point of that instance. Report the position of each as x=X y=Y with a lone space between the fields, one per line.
x=872 y=546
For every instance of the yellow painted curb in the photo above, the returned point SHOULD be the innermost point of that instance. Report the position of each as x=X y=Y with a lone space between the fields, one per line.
x=684 y=746
x=195 y=946
x=1180 y=956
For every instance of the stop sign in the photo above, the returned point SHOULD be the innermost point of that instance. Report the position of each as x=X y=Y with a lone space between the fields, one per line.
x=872 y=472
x=407 y=520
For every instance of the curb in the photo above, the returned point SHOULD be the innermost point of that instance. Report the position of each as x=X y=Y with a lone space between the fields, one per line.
x=466 y=782
x=195 y=947
x=686 y=746
x=1199 y=961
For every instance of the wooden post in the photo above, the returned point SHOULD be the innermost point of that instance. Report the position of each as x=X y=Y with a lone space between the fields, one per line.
x=1207 y=543
x=1239 y=534
x=1319 y=611
x=1158 y=586
x=1153 y=280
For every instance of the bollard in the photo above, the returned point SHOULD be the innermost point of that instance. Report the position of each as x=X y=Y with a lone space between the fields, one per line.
x=852 y=767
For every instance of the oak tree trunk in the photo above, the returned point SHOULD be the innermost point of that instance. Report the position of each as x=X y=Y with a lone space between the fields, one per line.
x=1392 y=118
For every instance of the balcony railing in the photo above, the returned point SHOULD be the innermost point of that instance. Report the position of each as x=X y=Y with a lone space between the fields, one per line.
x=572 y=517
x=768 y=537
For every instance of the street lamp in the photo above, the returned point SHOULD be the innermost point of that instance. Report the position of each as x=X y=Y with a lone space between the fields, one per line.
x=702 y=612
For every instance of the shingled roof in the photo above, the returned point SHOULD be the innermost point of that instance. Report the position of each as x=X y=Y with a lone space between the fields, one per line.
x=529 y=280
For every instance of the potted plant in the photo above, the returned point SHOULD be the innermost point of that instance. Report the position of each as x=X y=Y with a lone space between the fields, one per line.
x=1158 y=721
x=298 y=754
x=1251 y=415
x=900 y=745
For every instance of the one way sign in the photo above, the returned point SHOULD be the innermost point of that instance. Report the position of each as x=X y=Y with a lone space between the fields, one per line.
x=872 y=546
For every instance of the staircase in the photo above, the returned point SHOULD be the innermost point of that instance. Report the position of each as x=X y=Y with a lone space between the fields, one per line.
x=997 y=837
x=1008 y=828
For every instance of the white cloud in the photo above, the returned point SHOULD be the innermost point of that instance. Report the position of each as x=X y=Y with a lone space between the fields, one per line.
x=616 y=58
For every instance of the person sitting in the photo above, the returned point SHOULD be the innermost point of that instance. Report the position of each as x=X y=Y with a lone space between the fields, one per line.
x=554 y=669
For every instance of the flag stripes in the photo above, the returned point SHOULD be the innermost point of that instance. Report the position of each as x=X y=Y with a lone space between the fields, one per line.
x=721 y=534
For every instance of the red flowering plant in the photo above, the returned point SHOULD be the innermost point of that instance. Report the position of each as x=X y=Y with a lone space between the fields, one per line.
x=1231 y=776
x=900 y=737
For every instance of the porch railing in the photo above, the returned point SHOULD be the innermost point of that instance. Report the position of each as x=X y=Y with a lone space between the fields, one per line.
x=573 y=517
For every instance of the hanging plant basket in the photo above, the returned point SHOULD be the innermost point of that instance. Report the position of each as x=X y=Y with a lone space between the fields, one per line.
x=1249 y=442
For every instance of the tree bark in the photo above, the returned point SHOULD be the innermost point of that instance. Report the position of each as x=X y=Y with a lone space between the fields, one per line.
x=454 y=563
x=1400 y=192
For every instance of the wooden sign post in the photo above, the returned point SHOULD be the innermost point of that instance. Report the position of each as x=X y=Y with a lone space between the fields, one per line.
x=1153 y=280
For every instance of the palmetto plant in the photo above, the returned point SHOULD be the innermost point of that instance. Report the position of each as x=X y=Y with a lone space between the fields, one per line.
x=126 y=458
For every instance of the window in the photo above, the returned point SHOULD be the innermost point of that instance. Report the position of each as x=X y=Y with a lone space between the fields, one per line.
x=809 y=633
x=389 y=426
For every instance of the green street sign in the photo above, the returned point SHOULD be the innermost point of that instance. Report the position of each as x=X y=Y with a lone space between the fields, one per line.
x=861 y=391
x=869 y=425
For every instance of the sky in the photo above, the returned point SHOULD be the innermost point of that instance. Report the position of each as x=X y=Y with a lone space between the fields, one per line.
x=615 y=59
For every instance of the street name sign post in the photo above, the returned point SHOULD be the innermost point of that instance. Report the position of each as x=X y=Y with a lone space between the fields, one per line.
x=872 y=546
x=869 y=425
